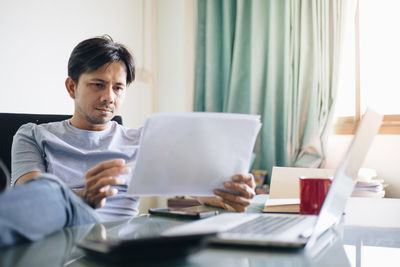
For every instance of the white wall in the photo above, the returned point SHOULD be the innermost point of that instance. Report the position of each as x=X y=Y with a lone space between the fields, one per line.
x=383 y=156
x=37 y=38
x=175 y=55
x=175 y=58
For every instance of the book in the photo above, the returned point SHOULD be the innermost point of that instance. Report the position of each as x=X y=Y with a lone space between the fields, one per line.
x=285 y=188
x=292 y=208
x=282 y=205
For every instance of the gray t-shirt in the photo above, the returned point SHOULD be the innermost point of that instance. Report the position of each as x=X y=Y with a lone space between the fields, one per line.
x=69 y=152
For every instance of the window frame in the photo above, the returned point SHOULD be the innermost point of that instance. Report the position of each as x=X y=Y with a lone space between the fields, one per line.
x=348 y=125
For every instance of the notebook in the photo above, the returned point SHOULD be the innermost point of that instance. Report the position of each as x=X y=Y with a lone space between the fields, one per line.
x=290 y=230
x=284 y=190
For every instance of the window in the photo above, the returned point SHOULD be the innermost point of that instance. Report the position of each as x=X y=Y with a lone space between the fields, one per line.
x=370 y=72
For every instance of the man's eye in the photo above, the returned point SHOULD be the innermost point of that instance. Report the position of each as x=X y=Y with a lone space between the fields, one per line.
x=97 y=85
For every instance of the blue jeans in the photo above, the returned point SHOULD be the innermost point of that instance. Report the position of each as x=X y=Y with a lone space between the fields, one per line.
x=40 y=207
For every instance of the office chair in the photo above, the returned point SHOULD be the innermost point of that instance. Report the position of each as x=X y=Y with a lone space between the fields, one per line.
x=10 y=123
x=5 y=178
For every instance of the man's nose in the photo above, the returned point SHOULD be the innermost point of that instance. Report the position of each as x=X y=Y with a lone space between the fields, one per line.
x=108 y=95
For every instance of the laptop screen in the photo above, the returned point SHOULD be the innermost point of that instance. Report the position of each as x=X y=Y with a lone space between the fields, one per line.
x=346 y=174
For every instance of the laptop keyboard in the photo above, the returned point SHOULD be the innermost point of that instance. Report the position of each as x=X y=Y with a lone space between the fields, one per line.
x=266 y=225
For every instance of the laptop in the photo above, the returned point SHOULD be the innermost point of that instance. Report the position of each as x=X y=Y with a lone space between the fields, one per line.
x=292 y=230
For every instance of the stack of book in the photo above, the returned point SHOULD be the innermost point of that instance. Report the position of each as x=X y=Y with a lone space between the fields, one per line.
x=368 y=185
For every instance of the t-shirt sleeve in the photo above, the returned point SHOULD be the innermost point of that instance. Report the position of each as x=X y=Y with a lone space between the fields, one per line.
x=26 y=153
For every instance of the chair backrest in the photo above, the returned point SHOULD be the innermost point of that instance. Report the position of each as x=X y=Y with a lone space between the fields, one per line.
x=10 y=123
x=5 y=178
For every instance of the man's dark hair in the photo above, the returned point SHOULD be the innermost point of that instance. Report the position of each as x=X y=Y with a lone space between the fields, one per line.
x=91 y=54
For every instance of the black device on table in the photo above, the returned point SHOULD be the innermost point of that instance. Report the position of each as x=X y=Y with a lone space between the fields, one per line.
x=153 y=248
x=195 y=212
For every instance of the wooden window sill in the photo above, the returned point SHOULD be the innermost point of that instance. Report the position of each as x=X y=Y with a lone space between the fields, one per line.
x=347 y=125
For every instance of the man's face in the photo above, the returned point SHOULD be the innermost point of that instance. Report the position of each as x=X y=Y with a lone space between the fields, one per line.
x=98 y=95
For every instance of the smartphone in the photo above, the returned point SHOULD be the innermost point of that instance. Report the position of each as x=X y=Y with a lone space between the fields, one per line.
x=196 y=212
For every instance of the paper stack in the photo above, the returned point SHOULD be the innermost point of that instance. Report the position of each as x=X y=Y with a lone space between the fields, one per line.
x=192 y=153
x=368 y=185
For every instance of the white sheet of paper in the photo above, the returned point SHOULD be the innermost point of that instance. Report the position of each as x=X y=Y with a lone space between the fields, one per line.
x=285 y=180
x=192 y=153
x=282 y=201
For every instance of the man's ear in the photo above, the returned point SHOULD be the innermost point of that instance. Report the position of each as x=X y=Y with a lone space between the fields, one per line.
x=71 y=87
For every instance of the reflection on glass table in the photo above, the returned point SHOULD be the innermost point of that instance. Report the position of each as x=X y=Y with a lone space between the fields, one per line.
x=60 y=250
x=372 y=246
x=349 y=246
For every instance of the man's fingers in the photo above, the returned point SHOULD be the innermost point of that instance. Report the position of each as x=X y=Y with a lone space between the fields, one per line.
x=103 y=195
x=213 y=201
x=100 y=178
x=243 y=189
x=218 y=201
x=104 y=166
x=233 y=206
x=111 y=172
x=98 y=200
x=105 y=181
x=232 y=197
x=245 y=178
x=96 y=192
x=100 y=204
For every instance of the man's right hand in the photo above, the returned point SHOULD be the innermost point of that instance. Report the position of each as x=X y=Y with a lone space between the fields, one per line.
x=99 y=179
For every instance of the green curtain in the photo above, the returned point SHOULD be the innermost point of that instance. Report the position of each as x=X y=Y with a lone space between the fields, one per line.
x=276 y=58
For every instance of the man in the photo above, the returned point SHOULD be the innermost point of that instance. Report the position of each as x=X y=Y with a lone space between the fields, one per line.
x=87 y=153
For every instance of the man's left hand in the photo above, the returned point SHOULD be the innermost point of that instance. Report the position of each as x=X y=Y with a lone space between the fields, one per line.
x=242 y=185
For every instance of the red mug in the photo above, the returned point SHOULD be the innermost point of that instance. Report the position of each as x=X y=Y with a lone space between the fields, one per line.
x=312 y=194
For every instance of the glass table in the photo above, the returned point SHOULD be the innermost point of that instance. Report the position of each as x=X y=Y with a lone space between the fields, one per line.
x=353 y=245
